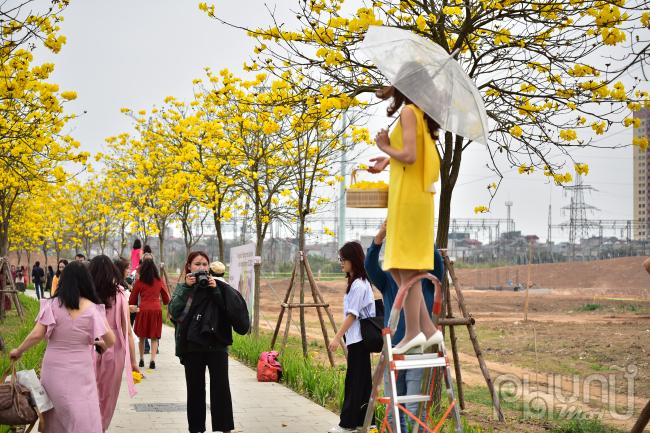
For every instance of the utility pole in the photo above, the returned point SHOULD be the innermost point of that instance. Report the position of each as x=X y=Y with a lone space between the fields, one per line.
x=343 y=169
x=508 y=223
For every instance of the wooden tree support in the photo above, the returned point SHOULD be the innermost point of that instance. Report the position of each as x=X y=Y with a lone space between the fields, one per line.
x=301 y=265
x=644 y=418
x=8 y=289
x=466 y=320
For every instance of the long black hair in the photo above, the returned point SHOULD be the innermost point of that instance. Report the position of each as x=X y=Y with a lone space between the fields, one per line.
x=76 y=282
x=137 y=244
x=58 y=271
x=353 y=252
x=122 y=265
x=149 y=272
x=106 y=278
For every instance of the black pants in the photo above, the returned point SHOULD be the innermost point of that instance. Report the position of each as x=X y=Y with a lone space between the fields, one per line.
x=220 y=400
x=358 y=384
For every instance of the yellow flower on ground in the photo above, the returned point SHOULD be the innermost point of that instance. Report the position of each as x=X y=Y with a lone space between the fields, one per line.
x=481 y=209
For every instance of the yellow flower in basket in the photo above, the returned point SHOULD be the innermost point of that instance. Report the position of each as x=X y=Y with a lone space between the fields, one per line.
x=364 y=184
x=137 y=376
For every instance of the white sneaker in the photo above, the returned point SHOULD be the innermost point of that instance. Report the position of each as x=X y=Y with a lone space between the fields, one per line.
x=339 y=429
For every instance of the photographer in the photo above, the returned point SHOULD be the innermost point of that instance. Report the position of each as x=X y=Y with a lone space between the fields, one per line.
x=203 y=334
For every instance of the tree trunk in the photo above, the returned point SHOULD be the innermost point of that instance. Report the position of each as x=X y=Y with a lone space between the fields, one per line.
x=122 y=238
x=449 y=169
x=256 y=294
x=218 y=229
x=301 y=247
x=4 y=238
x=45 y=254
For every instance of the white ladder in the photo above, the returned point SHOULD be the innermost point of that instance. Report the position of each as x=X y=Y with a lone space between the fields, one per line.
x=394 y=363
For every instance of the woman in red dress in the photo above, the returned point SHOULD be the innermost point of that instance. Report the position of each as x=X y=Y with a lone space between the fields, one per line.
x=148 y=321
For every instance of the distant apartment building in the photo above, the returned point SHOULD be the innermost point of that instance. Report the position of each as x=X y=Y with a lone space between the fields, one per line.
x=641 y=164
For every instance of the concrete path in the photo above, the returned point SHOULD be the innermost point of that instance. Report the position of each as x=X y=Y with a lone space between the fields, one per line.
x=258 y=407
x=159 y=406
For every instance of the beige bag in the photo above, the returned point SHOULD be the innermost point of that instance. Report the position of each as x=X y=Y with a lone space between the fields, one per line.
x=15 y=402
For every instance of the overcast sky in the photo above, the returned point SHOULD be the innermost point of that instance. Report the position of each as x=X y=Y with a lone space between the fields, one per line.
x=134 y=53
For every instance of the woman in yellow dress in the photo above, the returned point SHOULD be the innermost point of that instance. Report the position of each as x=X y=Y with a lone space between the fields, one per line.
x=414 y=169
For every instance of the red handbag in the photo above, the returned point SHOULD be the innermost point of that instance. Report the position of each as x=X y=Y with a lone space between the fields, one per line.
x=268 y=367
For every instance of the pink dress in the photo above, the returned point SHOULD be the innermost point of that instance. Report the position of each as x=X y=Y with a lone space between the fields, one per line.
x=135 y=259
x=110 y=365
x=68 y=373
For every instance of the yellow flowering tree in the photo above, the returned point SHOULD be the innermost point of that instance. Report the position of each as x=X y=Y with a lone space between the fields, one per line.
x=544 y=68
x=33 y=147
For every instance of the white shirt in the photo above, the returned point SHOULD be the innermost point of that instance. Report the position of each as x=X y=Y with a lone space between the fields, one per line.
x=360 y=302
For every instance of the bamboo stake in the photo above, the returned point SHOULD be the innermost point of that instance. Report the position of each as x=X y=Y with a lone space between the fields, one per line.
x=454 y=348
x=285 y=338
x=320 y=298
x=473 y=337
x=321 y=319
x=286 y=298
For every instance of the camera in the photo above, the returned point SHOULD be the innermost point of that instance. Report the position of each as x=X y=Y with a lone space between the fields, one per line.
x=202 y=278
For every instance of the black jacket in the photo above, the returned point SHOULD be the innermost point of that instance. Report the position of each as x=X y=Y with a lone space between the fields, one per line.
x=212 y=316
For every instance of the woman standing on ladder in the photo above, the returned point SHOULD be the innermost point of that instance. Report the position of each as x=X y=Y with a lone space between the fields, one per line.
x=415 y=167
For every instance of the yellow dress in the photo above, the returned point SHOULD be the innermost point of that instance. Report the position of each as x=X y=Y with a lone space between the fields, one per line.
x=410 y=226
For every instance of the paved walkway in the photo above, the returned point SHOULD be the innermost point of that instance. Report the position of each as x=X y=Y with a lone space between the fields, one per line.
x=159 y=406
x=258 y=407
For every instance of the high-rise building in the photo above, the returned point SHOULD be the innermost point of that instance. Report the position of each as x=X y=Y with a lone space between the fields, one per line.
x=641 y=168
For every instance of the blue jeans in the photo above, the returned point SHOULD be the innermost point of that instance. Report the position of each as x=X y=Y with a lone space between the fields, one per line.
x=408 y=382
x=38 y=288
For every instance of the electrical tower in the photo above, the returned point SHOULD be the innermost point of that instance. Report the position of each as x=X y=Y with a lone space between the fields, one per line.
x=509 y=227
x=578 y=223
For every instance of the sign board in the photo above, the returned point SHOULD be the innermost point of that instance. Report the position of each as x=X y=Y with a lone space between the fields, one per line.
x=241 y=275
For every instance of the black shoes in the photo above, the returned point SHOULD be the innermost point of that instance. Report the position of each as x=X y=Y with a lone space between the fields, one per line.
x=141 y=364
x=152 y=365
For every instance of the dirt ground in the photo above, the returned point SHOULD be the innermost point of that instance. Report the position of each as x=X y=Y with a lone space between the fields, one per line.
x=584 y=348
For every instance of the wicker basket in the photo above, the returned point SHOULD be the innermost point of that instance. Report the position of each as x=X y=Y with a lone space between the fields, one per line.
x=365 y=198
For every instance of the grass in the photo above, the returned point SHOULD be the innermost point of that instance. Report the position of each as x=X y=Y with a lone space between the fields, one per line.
x=14 y=332
x=583 y=426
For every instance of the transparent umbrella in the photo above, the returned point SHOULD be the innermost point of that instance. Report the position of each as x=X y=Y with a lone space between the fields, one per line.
x=432 y=79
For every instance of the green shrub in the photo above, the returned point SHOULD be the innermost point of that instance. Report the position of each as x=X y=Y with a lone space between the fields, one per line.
x=590 y=307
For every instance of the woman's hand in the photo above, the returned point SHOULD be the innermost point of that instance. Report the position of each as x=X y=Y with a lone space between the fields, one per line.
x=15 y=355
x=134 y=309
x=134 y=367
x=212 y=282
x=380 y=163
x=382 y=139
x=190 y=280
x=335 y=343
x=101 y=344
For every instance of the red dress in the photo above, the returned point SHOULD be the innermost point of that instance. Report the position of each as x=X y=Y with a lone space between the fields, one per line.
x=148 y=321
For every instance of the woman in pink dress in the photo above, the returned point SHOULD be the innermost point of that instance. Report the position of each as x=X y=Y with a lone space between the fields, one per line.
x=119 y=359
x=136 y=255
x=72 y=322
